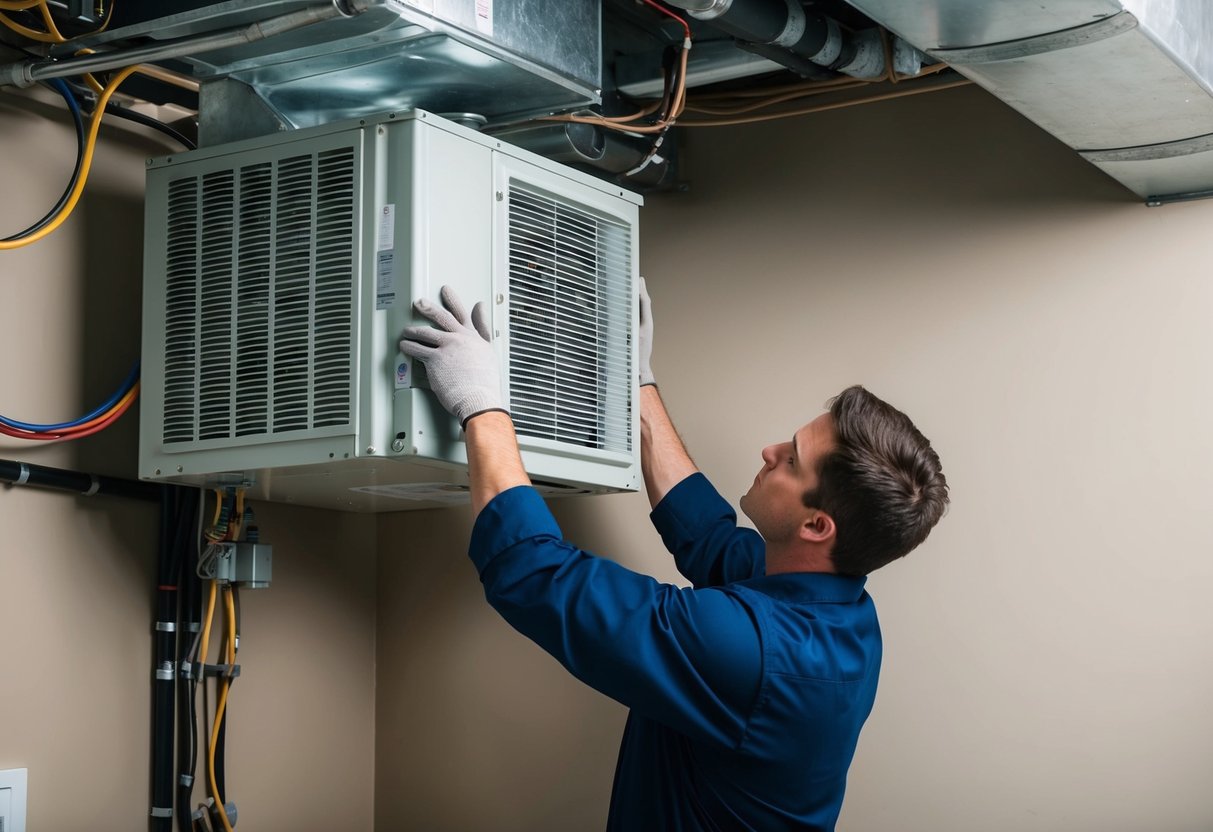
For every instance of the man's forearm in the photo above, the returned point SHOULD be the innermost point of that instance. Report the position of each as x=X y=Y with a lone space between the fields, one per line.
x=494 y=463
x=664 y=459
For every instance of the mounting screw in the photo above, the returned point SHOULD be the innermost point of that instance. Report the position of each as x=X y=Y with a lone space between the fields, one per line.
x=397 y=445
x=370 y=449
x=157 y=472
x=500 y=196
x=180 y=469
x=381 y=130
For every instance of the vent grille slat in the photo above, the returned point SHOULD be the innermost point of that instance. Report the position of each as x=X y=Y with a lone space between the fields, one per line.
x=570 y=272
x=259 y=304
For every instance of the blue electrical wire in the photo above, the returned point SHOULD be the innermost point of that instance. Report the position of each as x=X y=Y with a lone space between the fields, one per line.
x=130 y=382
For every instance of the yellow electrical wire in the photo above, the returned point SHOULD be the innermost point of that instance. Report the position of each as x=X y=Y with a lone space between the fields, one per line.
x=237 y=519
x=221 y=706
x=85 y=164
x=49 y=22
x=205 y=642
x=52 y=33
x=89 y=78
x=31 y=34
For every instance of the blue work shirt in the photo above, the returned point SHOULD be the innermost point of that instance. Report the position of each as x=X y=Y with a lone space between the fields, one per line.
x=747 y=691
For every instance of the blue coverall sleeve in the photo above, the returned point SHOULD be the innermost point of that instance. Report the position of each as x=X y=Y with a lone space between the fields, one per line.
x=700 y=529
x=690 y=659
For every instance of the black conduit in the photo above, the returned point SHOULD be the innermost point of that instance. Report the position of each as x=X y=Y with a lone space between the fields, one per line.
x=179 y=507
x=26 y=473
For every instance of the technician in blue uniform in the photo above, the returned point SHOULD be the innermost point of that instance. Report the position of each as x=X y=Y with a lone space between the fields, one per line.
x=747 y=691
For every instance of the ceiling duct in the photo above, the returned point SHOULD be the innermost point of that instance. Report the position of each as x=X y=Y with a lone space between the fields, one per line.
x=504 y=60
x=1127 y=85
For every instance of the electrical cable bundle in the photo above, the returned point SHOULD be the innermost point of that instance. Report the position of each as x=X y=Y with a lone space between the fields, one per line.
x=226 y=525
x=735 y=107
x=98 y=420
x=46 y=226
x=51 y=33
x=668 y=109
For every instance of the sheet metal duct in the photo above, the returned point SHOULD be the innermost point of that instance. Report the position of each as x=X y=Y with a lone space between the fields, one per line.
x=505 y=60
x=1129 y=85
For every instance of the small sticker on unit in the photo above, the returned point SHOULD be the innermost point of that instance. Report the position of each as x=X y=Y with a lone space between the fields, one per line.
x=386 y=239
x=402 y=375
x=385 y=279
x=484 y=16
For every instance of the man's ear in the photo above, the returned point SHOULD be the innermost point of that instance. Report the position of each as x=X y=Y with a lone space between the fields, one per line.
x=818 y=527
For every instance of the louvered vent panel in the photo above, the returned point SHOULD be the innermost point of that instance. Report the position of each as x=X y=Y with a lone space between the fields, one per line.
x=181 y=313
x=334 y=314
x=570 y=321
x=259 y=301
x=215 y=277
x=255 y=257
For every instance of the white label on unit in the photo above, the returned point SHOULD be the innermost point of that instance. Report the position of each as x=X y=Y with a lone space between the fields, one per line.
x=385 y=258
x=484 y=16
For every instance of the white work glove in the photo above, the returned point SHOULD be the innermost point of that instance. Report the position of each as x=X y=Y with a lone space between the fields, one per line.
x=644 y=340
x=459 y=360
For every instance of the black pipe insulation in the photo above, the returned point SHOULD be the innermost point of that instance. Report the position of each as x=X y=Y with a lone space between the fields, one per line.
x=189 y=623
x=163 y=689
x=26 y=473
x=178 y=523
x=782 y=31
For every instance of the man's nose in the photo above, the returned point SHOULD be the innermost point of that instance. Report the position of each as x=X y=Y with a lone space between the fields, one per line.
x=768 y=455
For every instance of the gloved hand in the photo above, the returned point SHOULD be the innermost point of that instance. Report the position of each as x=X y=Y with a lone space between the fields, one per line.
x=459 y=360
x=644 y=339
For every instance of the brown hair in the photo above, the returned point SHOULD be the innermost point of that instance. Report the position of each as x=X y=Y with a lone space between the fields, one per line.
x=882 y=483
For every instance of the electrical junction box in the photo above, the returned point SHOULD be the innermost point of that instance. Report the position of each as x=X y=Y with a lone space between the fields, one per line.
x=279 y=273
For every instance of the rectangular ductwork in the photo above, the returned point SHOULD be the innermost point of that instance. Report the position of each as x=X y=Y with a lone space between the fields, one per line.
x=1127 y=85
x=497 y=60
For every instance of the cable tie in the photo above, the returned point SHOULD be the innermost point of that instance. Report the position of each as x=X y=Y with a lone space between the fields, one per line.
x=166 y=626
x=186 y=780
x=23 y=478
x=187 y=670
x=226 y=671
x=160 y=812
x=93 y=489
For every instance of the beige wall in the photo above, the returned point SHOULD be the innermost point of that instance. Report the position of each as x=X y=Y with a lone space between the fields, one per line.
x=76 y=575
x=1047 y=651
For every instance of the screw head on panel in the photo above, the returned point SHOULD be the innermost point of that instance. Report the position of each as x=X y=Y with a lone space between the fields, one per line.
x=370 y=449
x=397 y=445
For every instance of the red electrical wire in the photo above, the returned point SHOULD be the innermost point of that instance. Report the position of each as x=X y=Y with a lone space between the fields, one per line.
x=686 y=27
x=80 y=431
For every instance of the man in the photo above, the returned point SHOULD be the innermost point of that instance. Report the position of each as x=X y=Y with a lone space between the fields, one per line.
x=747 y=691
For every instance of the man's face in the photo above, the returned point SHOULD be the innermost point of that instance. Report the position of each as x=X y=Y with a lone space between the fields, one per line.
x=774 y=502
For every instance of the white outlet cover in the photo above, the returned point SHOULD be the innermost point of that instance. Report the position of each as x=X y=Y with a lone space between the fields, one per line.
x=13 y=783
